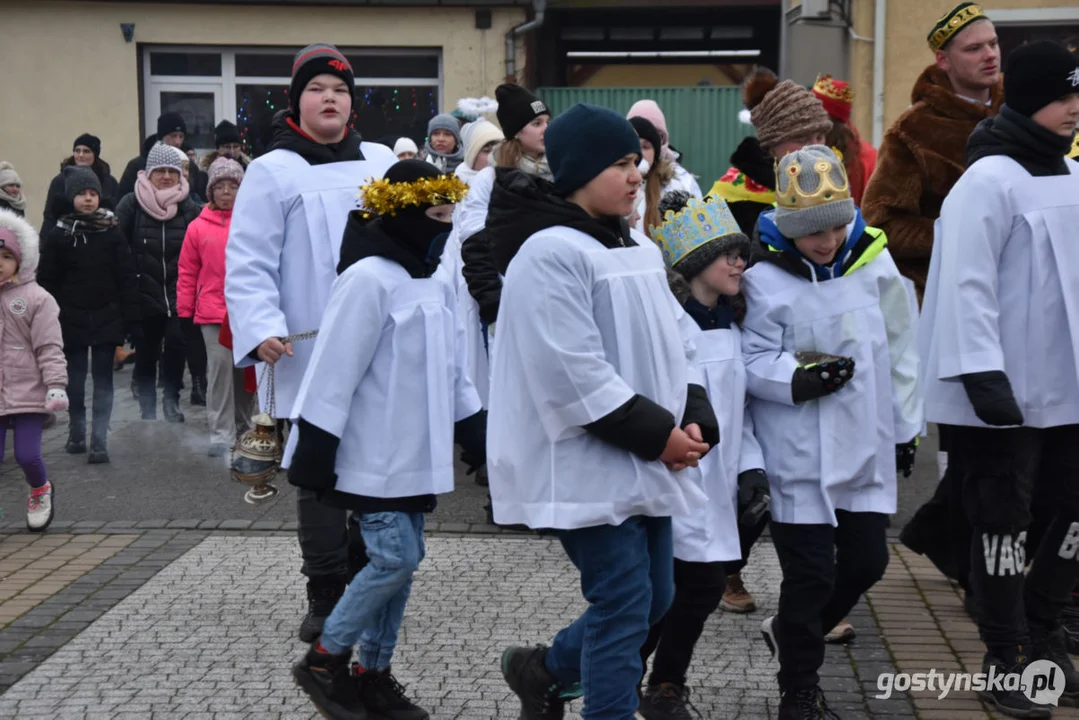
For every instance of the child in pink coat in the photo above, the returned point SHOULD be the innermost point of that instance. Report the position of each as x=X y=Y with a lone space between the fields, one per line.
x=200 y=294
x=33 y=371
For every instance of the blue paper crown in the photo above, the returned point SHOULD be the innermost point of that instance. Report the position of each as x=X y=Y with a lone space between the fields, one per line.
x=698 y=223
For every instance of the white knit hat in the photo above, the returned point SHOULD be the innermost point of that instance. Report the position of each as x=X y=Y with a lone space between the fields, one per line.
x=404 y=145
x=165 y=156
x=8 y=176
x=477 y=134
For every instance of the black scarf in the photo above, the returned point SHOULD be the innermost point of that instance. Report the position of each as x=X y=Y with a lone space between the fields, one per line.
x=1039 y=151
x=287 y=135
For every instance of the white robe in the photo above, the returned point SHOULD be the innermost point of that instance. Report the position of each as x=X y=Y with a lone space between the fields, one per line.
x=710 y=532
x=837 y=452
x=1003 y=293
x=282 y=253
x=582 y=329
x=387 y=376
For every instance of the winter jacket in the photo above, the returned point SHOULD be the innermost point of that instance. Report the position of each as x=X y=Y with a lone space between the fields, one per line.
x=55 y=200
x=92 y=277
x=155 y=248
x=200 y=286
x=197 y=180
x=31 y=344
x=920 y=159
x=749 y=186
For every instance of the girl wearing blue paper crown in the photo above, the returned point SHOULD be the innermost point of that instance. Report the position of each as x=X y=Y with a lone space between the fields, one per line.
x=832 y=370
x=703 y=246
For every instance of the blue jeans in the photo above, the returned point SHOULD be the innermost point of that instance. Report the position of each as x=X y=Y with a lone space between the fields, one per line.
x=373 y=606
x=627 y=577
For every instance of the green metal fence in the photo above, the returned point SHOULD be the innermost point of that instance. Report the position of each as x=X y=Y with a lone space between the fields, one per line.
x=702 y=121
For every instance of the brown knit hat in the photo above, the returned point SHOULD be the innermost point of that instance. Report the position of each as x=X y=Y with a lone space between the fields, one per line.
x=787 y=112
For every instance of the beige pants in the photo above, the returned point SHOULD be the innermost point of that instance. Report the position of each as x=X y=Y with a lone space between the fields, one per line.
x=228 y=406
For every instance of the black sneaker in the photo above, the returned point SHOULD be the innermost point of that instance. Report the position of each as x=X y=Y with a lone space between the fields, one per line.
x=1013 y=703
x=1070 y=622
x=527 y=675
x=666 y=701
x=327 y=681
x=1052 y=644
x=805 y=704
x=322 y=594
x=384 y=697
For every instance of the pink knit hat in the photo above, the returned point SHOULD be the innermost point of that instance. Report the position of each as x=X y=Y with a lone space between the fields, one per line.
x=223 y=168
x=650 y=111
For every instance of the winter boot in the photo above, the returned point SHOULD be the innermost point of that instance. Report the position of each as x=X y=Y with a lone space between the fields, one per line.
x=1013 y=703
x=322 y=594
x=76 y=437
x=198 y=391
x=327 y=681
x=525 y=670
x=736 y=599
x=1051 y=643
x=805 y=704
x=384 y=697
x=665 y=701
x=99 y=455
x=170 y=405
x=39 y=508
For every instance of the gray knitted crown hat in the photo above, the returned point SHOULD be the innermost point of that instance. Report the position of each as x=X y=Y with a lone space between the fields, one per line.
x=812 y=192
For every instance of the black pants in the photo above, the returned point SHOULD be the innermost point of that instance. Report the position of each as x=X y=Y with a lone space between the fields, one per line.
x=330 y=539
x=698 y=588
x=158 y=330
x=1007 y=476
x=747 y=539
x=825 y=571
x=195 y=350
x=100 y=365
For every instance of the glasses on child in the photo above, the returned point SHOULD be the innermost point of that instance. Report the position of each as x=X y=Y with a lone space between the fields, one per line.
x=733 y=256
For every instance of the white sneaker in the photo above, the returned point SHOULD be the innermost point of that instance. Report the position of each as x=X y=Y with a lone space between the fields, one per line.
x=769 y=635
x=39 y=508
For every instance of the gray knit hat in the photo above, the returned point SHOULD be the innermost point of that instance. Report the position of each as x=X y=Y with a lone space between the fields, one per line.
x=165 y=156
x=77 y=179
x=812 y=192
x=789 y=112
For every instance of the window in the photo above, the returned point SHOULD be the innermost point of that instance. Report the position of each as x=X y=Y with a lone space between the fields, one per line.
x=397 y=91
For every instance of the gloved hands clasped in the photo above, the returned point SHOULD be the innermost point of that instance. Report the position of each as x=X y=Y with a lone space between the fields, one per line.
x=819 y=374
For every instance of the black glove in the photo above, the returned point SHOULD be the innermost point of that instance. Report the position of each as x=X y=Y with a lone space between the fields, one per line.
x=904 y=457
x=699 y=410
x=818 y=375
x=991 y=395
x=754 y=497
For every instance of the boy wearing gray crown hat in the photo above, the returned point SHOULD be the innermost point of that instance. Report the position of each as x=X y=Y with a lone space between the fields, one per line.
x=822 y=297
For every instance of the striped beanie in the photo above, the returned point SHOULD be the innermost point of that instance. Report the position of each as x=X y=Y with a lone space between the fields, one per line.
x=317 y=59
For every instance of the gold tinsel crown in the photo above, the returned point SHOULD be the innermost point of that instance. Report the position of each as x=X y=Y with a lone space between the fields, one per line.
x=382 y=197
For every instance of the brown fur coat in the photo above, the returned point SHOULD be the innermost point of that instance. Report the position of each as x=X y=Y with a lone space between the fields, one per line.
x=921 y=158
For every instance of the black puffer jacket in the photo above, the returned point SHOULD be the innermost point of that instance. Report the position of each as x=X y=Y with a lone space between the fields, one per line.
x=155 y=248
x=90 y=273
x=109 y=191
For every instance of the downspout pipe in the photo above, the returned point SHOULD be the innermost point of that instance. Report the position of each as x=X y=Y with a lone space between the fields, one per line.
x=539 y=9
x=880 y=25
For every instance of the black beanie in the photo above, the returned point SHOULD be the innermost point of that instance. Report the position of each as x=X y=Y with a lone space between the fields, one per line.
x=1038 y=74
x=316 y=59
x=516 y=108
x=170 y=122
x=647 y=131
x=584 y=141
x=77 y=179
x=411 y=226
x=225 y=133
x=88 y=140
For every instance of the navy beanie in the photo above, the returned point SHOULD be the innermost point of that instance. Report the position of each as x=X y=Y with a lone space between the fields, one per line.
x=584 y=141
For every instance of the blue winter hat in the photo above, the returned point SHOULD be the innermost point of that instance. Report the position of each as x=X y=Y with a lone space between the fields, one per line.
x=584 y=141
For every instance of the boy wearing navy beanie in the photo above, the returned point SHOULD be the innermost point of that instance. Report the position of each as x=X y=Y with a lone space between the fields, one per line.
x=592 y=348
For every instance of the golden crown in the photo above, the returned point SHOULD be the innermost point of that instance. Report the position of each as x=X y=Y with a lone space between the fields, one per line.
x=699 y=222
x=794 y=198
x=828 y=86
x=382 y=197
x=952 y=22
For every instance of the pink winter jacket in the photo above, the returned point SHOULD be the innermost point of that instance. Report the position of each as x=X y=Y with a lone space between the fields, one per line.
x=31 y=348
x=200 y=287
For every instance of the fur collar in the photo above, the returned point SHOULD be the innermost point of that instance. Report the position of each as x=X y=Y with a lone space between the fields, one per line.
x=29 y=249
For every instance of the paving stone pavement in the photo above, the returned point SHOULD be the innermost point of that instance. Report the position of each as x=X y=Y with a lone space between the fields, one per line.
x=212 y=635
